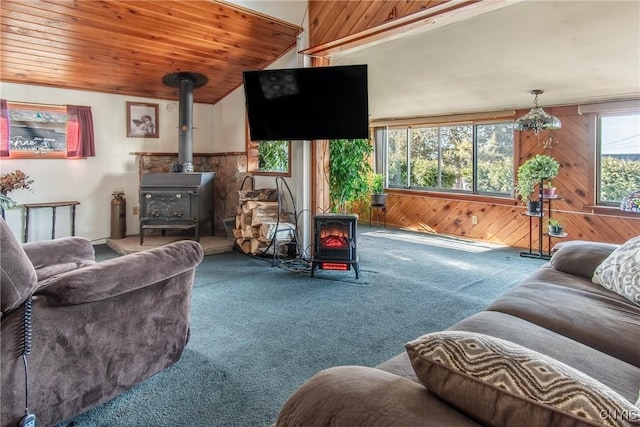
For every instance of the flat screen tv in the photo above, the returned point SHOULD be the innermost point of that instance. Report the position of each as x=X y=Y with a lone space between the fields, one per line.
x=307 y=103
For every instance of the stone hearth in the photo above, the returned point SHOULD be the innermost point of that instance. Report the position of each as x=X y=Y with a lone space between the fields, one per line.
x=230 y=169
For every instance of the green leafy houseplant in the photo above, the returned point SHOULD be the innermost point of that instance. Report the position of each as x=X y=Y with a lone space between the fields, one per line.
x=539 y=168
x=378 y=198
x=377 y=183
x=555 y=226
x=349 y=171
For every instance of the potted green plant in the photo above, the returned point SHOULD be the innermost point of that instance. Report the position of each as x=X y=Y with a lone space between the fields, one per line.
x=349 y=171
x=537 y=169
x=524 y=189
x=378 y=197
x=555 y=227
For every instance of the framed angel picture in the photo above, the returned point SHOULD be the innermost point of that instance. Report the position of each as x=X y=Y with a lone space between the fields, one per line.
x=142 y=120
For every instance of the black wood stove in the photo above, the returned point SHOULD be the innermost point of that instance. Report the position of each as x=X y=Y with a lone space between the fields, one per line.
x=335 y=243
x=176 y=201
x=182 y=199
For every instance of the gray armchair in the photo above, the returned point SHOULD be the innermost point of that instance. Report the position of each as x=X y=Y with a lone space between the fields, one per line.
x=97 y=328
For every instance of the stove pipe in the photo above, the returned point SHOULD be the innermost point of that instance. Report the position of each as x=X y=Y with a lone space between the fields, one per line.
x=185 y=82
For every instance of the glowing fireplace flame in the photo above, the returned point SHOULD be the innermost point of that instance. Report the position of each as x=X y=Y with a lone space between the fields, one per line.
x=334 y=237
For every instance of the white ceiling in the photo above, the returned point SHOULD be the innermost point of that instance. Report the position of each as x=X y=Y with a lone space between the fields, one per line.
x=576 y=51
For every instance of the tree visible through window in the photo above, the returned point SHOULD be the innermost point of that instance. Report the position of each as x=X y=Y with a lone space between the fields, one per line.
x=461 y=157
x=273 y=156
x=619 y=160
x=269 y=157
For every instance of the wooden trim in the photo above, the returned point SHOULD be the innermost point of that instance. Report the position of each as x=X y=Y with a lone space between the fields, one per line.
x=251 y=149
x=159 y=154
x=611 y=211
x=505 y=201
x=436 y=16
x=257 y=14
x=516 y=158
x=15 y=155
x=35 y=106
x=610 y=107
x=433 y=120
x=592 y=161
x=320 y=202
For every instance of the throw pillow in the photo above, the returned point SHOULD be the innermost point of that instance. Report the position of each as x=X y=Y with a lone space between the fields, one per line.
x=620 y=271
x=498 y=382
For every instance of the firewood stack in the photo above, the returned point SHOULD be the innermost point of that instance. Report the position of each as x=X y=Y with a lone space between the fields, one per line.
x=258 y=220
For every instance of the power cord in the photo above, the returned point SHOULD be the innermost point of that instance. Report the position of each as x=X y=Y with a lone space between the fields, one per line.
x=29 y=419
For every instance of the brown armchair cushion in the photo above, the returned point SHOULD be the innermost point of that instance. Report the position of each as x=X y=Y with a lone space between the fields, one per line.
x=51 y=257
x=18 y=279
x=120 y=275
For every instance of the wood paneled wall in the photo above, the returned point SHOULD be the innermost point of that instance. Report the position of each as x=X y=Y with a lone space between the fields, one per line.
x=499 y=220
x=502 y=221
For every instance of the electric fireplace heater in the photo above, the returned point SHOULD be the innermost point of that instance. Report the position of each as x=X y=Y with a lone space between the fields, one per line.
x=335 y=243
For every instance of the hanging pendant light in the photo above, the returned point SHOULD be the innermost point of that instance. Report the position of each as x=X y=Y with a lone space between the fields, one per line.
x=537 y=119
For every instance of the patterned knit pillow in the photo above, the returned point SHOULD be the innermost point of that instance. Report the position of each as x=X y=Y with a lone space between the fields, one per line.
x=499 y=383
x=620 y=271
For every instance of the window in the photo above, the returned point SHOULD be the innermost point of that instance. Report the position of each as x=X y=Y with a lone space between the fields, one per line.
x=37 y=131
x=269 y=157
x=619 y=156
x=472 y=158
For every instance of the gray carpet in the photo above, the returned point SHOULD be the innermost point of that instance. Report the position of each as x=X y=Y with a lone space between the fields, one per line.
x=258 y=332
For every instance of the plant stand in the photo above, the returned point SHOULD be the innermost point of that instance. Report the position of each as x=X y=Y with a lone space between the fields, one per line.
x=378 y=210
x=539 y=252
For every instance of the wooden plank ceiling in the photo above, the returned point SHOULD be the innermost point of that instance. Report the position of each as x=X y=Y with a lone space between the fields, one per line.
x=126 y=47
x=334 y=20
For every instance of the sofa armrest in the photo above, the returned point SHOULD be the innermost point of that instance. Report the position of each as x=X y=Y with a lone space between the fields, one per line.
x=358 y=396
x=579 y=257
x=57 y=256
x=123 y=274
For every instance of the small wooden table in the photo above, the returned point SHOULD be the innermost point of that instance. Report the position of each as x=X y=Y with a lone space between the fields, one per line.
x=53 y=206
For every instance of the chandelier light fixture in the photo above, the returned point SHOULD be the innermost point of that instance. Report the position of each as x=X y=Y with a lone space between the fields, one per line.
x=537 y=119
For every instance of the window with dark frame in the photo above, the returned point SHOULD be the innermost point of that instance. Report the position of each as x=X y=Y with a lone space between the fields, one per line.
x=474 y=158
x=618 y=156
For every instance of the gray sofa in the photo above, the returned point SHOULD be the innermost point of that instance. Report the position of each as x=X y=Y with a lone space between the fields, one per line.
x=98 y=328
x=557 y=317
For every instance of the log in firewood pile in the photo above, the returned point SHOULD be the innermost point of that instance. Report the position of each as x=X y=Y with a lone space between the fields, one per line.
x=259 y=221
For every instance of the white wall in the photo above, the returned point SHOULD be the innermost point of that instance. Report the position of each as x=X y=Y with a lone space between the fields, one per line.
x=217 y=128
x=92 y=181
